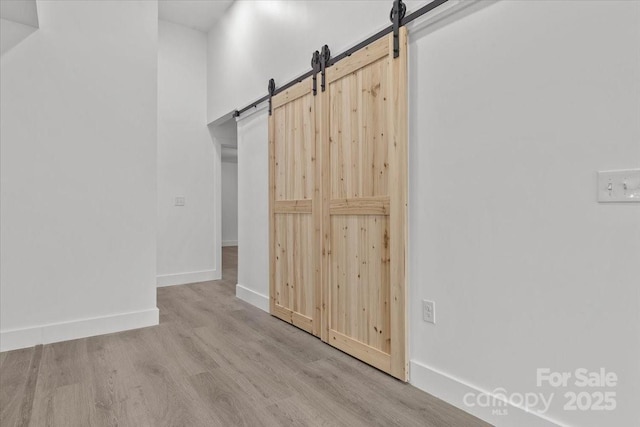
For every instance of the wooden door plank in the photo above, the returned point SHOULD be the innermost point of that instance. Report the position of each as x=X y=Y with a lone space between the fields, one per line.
x=273 y=167
x=303 y=322
x=289 y=272
x=292 y=206
x=317 y=207
x=296 y=286
x=359 y=59
x=365 y=126
x=397 y=123
x=351 y=131
x=352 y=264
x=291 y=94
x=362 y=351
x=375 y=205
x=324 y=173
x=309 y=146
x=279 y=163
x=381 y=140
x=280 y=261
x=376 y=310
x=289 y=151
x=364 y=285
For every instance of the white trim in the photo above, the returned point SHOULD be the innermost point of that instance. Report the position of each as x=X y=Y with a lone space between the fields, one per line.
x=221 y=120
x=252 y=297
x=453 y=390
x=229 y=243
x=81 y=328
x=187 y=277
x=216 y=273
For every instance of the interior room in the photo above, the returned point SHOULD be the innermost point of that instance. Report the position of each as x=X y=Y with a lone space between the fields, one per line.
x=320 y=213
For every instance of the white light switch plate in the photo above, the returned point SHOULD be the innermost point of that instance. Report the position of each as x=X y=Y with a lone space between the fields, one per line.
x=619 y=186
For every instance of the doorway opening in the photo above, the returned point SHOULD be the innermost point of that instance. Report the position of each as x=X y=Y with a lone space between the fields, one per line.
x=226 y=136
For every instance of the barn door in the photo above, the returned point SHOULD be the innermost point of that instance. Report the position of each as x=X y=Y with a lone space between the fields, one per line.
x=364 y=163
x=294 y=198
x=338 y=206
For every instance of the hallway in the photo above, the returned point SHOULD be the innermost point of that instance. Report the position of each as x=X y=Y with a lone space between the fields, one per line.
x=213 y=360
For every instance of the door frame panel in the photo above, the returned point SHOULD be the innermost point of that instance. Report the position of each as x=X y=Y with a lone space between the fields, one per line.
x=295 y=206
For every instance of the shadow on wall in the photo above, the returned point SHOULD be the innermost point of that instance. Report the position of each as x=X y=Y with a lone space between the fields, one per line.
x=18 y=20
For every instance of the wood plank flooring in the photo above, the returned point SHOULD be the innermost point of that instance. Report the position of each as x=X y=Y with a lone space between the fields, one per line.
x=213 y=361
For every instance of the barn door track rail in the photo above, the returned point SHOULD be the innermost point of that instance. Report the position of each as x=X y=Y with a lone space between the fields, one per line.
x=398 y=18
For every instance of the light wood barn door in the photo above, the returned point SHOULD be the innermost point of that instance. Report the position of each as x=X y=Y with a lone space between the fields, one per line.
x=364 y=162
x=294 y=198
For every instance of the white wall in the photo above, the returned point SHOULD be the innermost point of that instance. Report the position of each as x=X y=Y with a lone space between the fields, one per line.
x=513 y=109
x=22 y=11
x=253 y=209
x=12 y=33
x=78 y=173
x=229 y=207
x=188 y=161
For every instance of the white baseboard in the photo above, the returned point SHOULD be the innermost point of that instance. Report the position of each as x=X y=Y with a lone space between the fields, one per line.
x=229 y=243
x=252 y=297
x=453 y=390
x=185 y=278
x=81 y=328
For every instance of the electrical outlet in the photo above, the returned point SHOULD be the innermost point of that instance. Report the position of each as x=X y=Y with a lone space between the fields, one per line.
x=179 y=201
x=429 y=311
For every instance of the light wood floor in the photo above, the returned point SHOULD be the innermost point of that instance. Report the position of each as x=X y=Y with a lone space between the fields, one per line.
x=213 y=361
